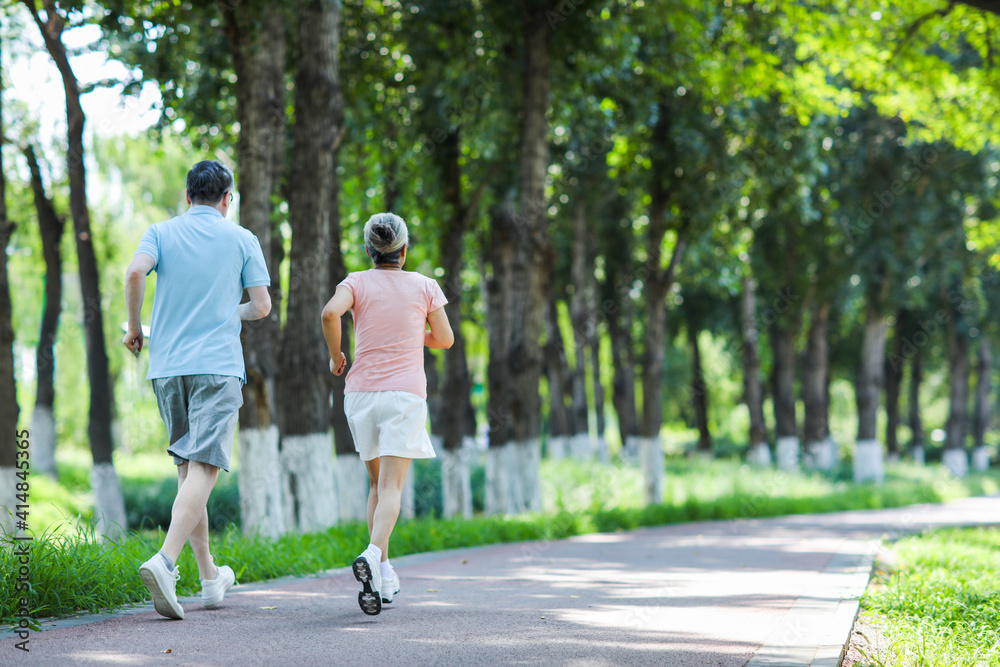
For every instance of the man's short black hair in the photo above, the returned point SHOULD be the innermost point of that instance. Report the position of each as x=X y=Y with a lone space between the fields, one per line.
x=208 y=181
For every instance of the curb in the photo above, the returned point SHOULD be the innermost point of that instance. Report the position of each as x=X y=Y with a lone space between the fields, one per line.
x=816 y=629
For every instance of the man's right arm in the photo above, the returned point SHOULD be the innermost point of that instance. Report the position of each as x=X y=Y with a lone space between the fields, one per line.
x=259 y=304
x=135 y=291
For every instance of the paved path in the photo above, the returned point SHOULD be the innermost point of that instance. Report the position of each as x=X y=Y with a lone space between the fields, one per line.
x=760 y=593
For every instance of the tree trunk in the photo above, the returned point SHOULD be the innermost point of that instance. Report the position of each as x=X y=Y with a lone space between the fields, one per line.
x=655 y=290
x=257 y=42
x=699 y=393
x=981 y=422
x=512 y=472
x=458 y=423
x=600 y=445
x=958 y=374
x=623 y=382
x=868 y=457
x=109 y=504
x=580 y=442
x=783 y=390
x=513 y=407
x=753 y=389
x=893 y=386
x=557 y=370
x=8 y=395
x=303 y=392
x=815 y=379
x=916 y=423
x=43 y=424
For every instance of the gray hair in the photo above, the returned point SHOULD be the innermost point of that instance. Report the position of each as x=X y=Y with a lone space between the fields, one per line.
x=208 y=181
x=385 y=236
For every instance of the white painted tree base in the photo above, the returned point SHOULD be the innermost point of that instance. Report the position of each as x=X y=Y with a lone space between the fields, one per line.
x=651 y=462
x=787 y=451
x=307 y=482
x=581 y=447
x=630 y=449
x=918 y=456
x=109 y=503
x=352 y=487
x=980 y=459
x=759 y=455
x=513 y=485
x=43 y=441
x=557 y=447
x=869 y=462
x=8 y=500
x=456 y=483
x=957 y=461
x=599 y=446
x=823 y=455
x=262 y=499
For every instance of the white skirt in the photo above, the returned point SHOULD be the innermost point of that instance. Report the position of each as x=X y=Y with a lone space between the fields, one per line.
x=388 y=423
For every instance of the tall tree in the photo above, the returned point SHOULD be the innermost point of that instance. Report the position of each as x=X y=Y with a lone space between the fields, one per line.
x=515 y=365
x=9 y=446
x=109 y=504
x=303 y=394
x=43 y=423
x=256 y=34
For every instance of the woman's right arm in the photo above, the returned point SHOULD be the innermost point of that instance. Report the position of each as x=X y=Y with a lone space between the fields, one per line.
x=440 y=336
x=335 y=308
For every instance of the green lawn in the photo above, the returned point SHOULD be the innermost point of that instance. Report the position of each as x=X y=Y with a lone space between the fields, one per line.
x=939 y=605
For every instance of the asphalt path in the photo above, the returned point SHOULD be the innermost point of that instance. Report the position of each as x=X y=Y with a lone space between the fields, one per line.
x=768 y=592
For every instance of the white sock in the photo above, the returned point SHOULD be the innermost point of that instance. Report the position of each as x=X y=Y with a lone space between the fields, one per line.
x=166 y=561
x=386 y=569
x=378 y=552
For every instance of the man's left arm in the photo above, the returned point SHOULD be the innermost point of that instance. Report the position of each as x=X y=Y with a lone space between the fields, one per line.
x=135 y=290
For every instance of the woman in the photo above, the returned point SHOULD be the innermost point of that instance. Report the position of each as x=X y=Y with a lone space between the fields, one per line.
x=386 y=390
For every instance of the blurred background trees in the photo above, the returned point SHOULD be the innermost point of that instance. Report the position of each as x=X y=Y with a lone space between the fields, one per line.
x=754 y=230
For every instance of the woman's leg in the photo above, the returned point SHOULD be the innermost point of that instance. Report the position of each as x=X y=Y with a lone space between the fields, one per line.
x=372 y=467
x=391 y=475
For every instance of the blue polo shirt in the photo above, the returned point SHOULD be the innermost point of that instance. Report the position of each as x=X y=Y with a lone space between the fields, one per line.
x=203 y=262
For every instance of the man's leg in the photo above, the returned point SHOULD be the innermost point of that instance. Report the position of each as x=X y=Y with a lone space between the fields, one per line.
x=198 y=539
x=391 y=476
x=189 y=510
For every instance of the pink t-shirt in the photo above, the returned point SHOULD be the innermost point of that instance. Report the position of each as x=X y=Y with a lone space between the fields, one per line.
x=390 y=318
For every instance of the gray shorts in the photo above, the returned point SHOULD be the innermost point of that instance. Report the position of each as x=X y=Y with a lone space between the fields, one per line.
x=200 y=413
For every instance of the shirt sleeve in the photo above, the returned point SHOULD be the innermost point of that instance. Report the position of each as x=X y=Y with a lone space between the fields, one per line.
x=254 y=272
x=436 y=297
x=350 y=282
x=149 y=244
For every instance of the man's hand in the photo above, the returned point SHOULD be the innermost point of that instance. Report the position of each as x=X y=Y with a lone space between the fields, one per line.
x=341 y=365
x=133 y=340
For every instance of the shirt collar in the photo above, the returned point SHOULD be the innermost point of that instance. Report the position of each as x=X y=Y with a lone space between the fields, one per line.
x=203 y=209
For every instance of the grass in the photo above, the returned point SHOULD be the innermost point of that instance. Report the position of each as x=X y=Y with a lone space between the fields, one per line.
x=940 y=607
x=71 y=571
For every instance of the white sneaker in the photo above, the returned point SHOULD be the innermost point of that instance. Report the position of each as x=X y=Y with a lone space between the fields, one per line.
x=366 y=570
x=162 y=585
x=390 y=587
x=213 y=590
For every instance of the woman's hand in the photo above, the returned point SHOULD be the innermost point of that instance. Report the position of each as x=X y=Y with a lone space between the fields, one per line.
x=340 y=365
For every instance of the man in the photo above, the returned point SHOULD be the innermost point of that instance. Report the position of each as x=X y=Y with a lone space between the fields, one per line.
x=203 y=263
